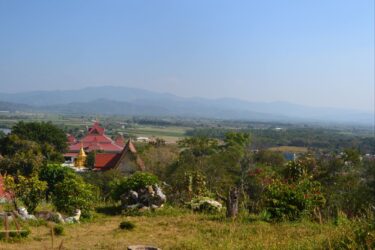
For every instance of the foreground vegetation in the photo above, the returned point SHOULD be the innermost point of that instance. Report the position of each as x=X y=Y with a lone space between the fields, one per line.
x=180 y=229
x=241 y=198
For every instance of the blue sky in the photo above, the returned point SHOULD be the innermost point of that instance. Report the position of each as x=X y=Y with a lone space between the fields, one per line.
x=312 y=52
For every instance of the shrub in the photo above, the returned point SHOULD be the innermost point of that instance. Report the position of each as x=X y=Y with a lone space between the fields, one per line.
x=54 y=174
x=126 y=225
x=290 y=201
x=360 y=236
x=58 y=230
x=204 y=204
x=24 y=233
x=72 y=194
x=30 y=191
x=101 y=179
x=134 y=182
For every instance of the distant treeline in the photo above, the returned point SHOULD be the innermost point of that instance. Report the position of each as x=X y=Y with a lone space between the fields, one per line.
x=320 y=138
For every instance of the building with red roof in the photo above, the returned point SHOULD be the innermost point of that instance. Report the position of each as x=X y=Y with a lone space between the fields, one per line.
x=71 y=139
x=128 y=161
x=95 y=140
x=109 y=153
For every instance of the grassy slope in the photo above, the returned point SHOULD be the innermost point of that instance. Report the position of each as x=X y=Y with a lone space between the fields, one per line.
x=182 y=231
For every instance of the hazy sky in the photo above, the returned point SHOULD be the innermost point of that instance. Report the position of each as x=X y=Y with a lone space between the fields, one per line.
x=314 y=52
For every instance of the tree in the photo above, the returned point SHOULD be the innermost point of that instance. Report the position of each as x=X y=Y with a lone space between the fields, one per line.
x=269 y=158
x=30 y=190
x=101 y=180
x=52 y=139
x=20 y=156
x=54 y=174
x=222 y=165
x=73 y=193
x=291 y=201
x=90 y=159
x=2 y=134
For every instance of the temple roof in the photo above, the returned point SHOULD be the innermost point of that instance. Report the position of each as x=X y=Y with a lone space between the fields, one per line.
x=96 y=129
x=96 y=140
x=71 y=139
x=104 y=161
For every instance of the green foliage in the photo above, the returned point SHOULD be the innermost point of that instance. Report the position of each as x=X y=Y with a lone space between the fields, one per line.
x=24 y=233
x=52 y=140
x=54 y=174
x=269 y=158
x=204 y=204
x=360 y=236
x=73 y=193
x=311 y=137
x=290 y=201
x=29 y=190
x=42 y=132
x=198 y=146
x=90 y=159
x=196 y=184
x=58 y=230
x=158 y=158
x=134 y=182
x=2 y=134
x=127 y=225
x=20 y=156
x=304 y=167
x=347 y=186
x=102 y=180
x=221 y=166
x=352 y=155
x=256 y=181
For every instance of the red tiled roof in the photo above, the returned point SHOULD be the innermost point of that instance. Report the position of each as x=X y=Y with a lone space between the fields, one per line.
x=106 y=160
x=71 y=139
x=96 y=140
x=90 y=146
x=96 y=129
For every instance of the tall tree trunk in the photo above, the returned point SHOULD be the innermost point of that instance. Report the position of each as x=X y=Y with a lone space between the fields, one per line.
x=232 y=203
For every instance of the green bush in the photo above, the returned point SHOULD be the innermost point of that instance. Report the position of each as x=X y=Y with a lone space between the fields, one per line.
x=58 y=230
x=360 y=236
x=127 y=225
x=24 y=233
x=291 y=201
x=72 y=194
x=54 y=174
x=204 y=204
x=134 y=182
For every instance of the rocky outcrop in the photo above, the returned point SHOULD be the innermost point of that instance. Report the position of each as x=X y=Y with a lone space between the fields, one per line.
x=148 y=197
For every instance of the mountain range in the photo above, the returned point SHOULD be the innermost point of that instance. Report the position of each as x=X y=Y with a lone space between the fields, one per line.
x=110 y=100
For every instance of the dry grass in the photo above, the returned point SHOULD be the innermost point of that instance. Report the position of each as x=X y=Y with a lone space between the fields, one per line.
x=182 y=231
